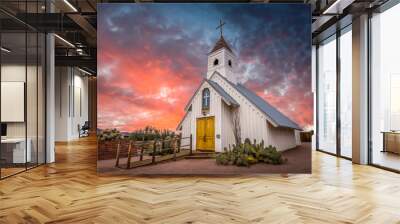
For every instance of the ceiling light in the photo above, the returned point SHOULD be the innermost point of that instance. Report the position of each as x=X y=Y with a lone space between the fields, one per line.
x=65 y=41
x=70 y=5
x=5 y=50
x=84 y=71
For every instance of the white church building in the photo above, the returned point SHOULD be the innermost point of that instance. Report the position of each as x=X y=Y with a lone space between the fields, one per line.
x=222 y=111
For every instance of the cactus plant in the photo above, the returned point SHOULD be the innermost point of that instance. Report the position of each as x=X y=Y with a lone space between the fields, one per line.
x=247 y=153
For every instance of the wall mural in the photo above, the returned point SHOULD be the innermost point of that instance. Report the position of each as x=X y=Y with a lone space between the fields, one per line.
x=204 y=89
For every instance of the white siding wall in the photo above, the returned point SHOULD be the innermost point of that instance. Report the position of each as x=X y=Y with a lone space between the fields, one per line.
x=253 y=122
x=186 y=129
x=297 y=135
x=227 y=133
x=281 y=138
x=223 y=67
x=215 y=110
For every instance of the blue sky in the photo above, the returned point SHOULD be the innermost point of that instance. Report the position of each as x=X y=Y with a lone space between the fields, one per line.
x=165 y=46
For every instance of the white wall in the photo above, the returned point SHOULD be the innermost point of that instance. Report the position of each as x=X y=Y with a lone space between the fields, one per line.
x=297 y=137
x=215 y=110
x=281 y=138
x=186 y=129
x=223 y=56
x=227 y=136
x=252 y=121
x=71 y=102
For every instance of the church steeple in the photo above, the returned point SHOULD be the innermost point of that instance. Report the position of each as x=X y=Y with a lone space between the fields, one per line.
x=221 y=58
x=221 y=43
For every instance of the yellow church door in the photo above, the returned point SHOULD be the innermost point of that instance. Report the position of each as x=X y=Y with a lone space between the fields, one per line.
x=205 y=134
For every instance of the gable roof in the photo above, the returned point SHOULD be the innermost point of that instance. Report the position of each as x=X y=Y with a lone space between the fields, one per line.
x=279 y=118
x=225 y=96
x=221 y=43
x=228 y=98
x=271 y=112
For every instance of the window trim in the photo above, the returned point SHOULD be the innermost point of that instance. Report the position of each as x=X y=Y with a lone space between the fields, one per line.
x=205 y=99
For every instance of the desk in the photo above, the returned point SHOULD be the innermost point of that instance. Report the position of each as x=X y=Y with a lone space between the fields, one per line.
x=391 y=142
x=18 y=150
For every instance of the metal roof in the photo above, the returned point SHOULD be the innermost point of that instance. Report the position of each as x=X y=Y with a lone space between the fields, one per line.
x=221 y=43
x=271 y=112
x=228 y=99
x=279 y=118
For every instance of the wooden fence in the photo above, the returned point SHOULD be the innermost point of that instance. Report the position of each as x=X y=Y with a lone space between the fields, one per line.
x=140 y=153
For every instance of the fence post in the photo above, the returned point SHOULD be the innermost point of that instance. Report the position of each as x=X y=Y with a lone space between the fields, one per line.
x=162 y=145
x=128 y=164
x=141 y=153
x=191 y=143
x=153 y=159
x=174 y=148
x=117 y=156
x=179 y=142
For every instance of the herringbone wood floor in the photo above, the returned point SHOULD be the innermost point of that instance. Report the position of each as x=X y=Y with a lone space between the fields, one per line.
x=70 y=191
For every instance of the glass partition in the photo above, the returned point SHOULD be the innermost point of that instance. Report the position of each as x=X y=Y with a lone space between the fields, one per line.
x=13 y=94
x=385 y=89
x=346 y=93
x=327 y=95
x=22 y=92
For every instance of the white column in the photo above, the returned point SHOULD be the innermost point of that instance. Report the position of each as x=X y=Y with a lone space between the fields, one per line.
x=360 y=90
x=50 y=99
x=50 y=92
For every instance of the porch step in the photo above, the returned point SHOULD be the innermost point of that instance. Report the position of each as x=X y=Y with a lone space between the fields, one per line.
x=201 y=155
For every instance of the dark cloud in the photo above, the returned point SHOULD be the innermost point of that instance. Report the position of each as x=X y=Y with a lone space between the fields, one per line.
x=145 y=48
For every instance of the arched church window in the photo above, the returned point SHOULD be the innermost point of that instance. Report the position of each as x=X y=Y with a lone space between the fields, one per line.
x=205 y=103
x=216 y=62
x=230 y=63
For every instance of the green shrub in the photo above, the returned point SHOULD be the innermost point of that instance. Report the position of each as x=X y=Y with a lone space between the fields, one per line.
x=109 y=135
x=247 y=153
x=222 y=159
x=150 y=133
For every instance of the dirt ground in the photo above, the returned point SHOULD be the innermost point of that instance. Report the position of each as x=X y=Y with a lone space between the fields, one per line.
x=299 y=161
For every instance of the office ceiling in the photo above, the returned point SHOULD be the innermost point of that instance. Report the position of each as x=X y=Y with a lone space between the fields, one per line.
x=75 y=21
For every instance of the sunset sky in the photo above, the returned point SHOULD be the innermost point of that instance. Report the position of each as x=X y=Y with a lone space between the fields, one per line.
x=152 y=57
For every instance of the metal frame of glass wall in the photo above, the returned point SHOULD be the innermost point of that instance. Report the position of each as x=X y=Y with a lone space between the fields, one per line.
x=33 y=48
x=334 y=37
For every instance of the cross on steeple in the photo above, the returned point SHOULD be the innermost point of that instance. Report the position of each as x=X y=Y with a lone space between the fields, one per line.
x=221 y=24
